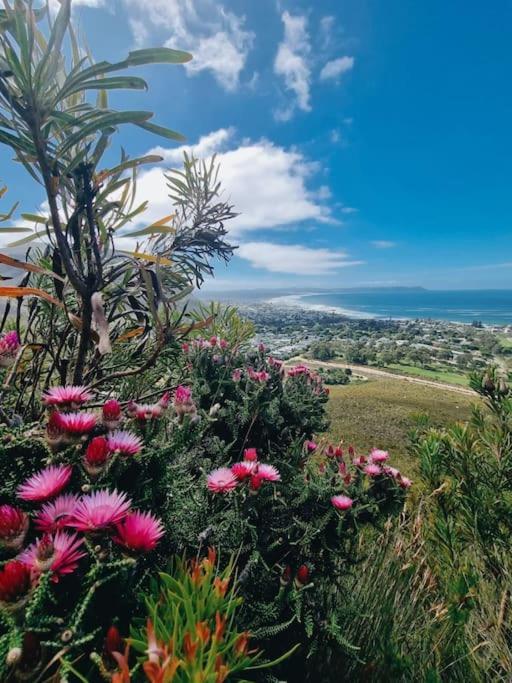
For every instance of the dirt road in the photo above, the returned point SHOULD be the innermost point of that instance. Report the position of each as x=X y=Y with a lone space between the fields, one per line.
x=376 y=372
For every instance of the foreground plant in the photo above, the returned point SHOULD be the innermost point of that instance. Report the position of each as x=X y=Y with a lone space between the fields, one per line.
x=190 y=633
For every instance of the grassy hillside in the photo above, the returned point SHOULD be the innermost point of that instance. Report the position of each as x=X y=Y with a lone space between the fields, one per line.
x=438 y=375
x=381 y=413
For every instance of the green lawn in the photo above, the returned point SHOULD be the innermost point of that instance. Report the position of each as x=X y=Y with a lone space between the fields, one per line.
x=505 y=341
x=380 y=413
x=447 y=376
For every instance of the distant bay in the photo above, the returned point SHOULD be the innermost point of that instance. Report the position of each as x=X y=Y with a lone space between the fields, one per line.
x=492 y=307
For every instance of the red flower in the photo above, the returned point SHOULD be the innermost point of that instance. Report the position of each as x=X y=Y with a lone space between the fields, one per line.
x=97 y=453
x=286 y=576
x=13 y=526
x=111 y=413
x=113 y=641
x=302 y=576
x=15 y=583
x=251 y=454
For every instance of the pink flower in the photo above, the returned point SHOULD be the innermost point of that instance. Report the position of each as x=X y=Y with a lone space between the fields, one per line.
x=378 y=456
x=310 y=446
x=165 y=400
x=373 y=470
x=334 y=451
x=57 y=553
x=13 y=527
x=260 y=377
x=56 y=514
x=182 y=394
x=9 y=345
x=268 y=473
x=404 y=482
x=46 y=483
x=71 y=396
x=124 y=443
x=392 y=472
x=342 y=502
x=236 y=376
x=223 y=344
x=111 y=413
x=99 y=510
x=139 y=532
x=244 y=469
x=148 y=411
x=222 y=480
x=359 y=461
x=185 y=347
x=213 y=341
x=298 y=370
x=261 y=347
x=77 y=424
x=251 y=454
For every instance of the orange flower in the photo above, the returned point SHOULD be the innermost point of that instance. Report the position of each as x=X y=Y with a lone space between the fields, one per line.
x=241 y=643
x=202 y=631
x=164 y=673
x=195 y=573
x=221 y=670
x=190 y=647
x=220 y=623
x=123 y=675
x=212 y=555
x=221 y=586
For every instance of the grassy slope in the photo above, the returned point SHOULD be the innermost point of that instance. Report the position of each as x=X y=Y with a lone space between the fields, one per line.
x=437 y=375
x=380 y=413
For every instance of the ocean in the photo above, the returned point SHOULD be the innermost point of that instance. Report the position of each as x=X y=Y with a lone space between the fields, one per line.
x=493 y=307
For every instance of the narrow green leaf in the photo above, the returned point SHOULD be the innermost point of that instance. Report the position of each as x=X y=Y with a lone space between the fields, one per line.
x=162 y=131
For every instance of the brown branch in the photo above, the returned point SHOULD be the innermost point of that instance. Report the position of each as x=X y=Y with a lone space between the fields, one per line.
x=129 y=373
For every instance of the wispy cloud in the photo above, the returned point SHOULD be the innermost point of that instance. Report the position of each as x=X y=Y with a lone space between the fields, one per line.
x=383 y=244
x=294 y=259
x=292 y=64
x=336 y=67
x=216 y=37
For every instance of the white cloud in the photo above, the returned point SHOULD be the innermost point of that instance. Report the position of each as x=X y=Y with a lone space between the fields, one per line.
x=207 y=146
x=268 y=184
x=55 y=4
x=348 y=209
x=383 y=244
x=215 y=36
x=336 y=67
x=291 y=63
x=294 y=259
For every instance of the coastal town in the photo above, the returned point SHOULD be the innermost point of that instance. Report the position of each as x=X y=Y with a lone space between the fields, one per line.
x=440 y=350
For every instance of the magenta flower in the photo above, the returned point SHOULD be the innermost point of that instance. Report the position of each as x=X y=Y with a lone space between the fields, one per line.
x=71 y=396
x=124 y=443
x=373 y=470
x=56 y=514
x=268 y=473
x=139 y=532
x=251 y=454
x=392 y=472
x=46 y=483
x=13 y=527
x=182 y=394
x=342 y=502
x=99 y=510
x=221 y=480
x=54 y=430
x=77 y=424
x=310 y=446
x=377 y=456
x=96 y=455
x=9 y=345
x=404 y=482
x=58 y=553
x=244 y=469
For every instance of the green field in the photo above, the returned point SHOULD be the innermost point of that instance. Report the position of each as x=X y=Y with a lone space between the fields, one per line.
x=381 y=412
x=437 y=375
x=505 y=341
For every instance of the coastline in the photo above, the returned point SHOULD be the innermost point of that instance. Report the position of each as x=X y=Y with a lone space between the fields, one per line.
x=297 y=301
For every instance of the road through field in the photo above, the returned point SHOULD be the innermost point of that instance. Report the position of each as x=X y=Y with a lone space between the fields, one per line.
x=376 y=372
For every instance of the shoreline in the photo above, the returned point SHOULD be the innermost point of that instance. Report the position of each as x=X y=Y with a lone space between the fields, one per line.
x=296 y=301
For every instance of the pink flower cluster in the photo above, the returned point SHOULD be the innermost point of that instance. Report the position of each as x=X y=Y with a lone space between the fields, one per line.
x=226 y=479
x=311 y=377
x=200 y=343
x=258 y=376
x=100 y=512
x=373 y=465
x=9 y=346
x=67 y=425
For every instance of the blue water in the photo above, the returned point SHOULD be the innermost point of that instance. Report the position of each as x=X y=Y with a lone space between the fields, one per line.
x=488 y=306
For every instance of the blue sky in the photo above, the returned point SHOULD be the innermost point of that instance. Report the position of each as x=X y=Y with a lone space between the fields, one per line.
x=365 y=142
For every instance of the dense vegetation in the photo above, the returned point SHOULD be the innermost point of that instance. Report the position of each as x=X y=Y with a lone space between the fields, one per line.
x=169 y=508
